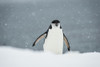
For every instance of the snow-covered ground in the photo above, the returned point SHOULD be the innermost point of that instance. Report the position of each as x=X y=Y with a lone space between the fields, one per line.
x=14 y=57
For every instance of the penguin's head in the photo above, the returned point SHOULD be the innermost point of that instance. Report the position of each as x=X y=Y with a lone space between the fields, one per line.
x=56 y=23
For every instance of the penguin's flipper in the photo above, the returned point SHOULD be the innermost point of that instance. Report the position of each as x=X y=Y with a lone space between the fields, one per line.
x=66 y=42
x=39 y=38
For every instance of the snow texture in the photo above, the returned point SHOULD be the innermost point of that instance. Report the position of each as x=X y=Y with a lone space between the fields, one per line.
x=13 y=57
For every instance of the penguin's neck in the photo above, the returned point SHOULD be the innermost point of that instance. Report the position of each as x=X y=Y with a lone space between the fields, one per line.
x=55 y=27
x=55 y=30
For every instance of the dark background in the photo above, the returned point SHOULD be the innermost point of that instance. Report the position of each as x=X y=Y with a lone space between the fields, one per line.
x=22 y=21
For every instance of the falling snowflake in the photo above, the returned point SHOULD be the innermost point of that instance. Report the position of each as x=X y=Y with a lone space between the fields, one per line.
x=5 y=24
x=33 y=13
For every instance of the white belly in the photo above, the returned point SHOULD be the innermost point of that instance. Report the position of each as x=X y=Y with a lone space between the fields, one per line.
x=54 y=41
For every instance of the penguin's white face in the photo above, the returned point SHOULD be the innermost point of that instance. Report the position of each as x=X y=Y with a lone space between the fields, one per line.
x=55 y=23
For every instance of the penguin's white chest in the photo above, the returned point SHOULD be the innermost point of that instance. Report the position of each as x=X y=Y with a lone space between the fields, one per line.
x=54 y=41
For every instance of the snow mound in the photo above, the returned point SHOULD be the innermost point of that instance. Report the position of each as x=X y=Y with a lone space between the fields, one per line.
x=13 y=57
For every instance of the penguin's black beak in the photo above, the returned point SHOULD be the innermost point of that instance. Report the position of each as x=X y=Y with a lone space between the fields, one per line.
x=56 y=24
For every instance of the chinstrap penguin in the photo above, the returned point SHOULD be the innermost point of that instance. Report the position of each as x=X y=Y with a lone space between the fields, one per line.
x=54 y=38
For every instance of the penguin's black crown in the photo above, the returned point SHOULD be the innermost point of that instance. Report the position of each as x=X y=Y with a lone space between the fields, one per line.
x=55 y=21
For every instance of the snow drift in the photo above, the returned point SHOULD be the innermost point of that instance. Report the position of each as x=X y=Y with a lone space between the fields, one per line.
x=13 y=57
